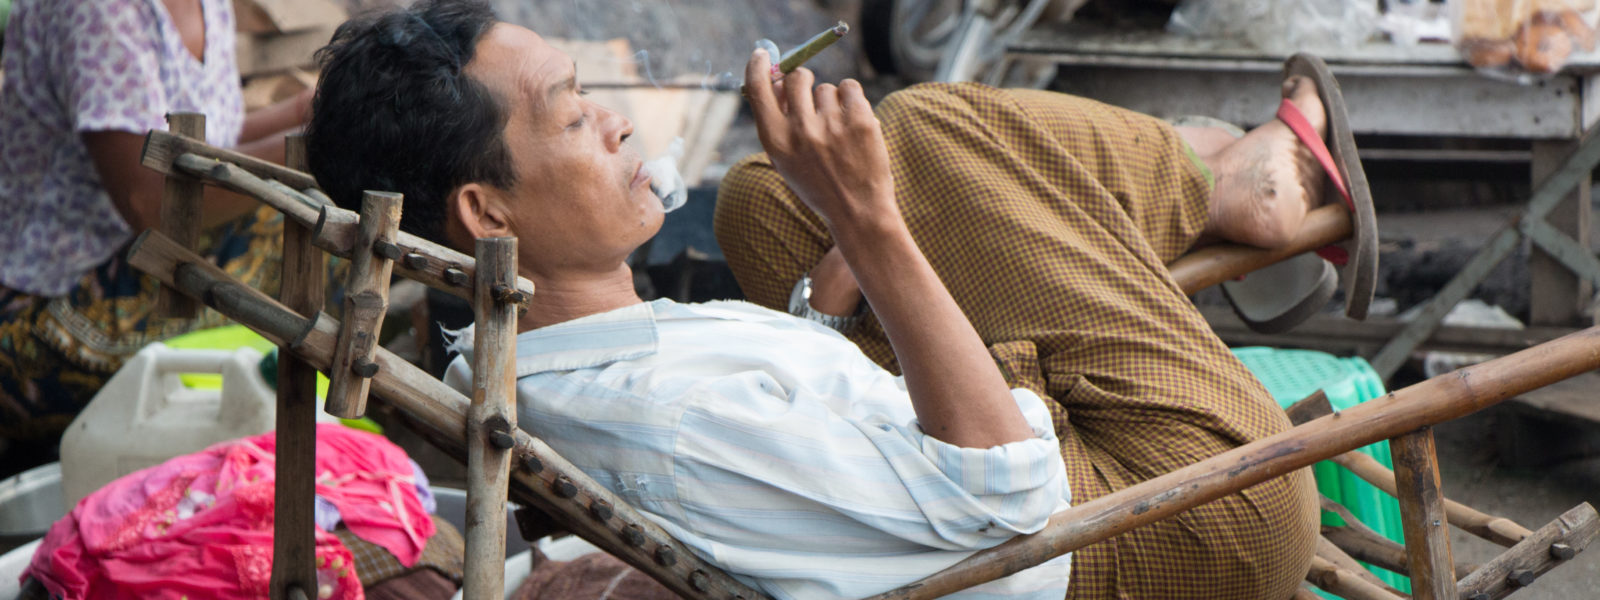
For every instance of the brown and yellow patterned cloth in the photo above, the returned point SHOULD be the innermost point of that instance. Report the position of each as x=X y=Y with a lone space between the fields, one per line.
x=1051 y=219
x=56 y=353
x=442 y=555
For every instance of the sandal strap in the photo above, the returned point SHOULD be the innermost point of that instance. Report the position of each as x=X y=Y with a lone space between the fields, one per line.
x=1297 y=122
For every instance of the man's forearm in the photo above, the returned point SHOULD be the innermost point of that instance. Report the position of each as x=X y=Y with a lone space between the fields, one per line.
x=959 y=394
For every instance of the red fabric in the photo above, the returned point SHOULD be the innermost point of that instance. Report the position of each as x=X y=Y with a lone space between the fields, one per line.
x=200 y=525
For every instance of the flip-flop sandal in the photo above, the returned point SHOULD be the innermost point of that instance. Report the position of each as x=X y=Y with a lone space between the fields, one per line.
x=1277 y=298
x=1358 y=256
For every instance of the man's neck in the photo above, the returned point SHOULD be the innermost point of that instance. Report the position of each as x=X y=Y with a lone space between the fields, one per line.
x=558 y=299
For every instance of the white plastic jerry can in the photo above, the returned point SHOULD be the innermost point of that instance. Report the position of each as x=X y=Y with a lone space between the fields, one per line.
x=146 y=414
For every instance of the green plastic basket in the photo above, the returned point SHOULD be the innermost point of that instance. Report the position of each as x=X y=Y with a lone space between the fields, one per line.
x=1291 y=375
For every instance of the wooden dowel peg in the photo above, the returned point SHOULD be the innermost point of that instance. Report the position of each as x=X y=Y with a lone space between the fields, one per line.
x=1534 y=556
x=181 y=214
x=366 y=301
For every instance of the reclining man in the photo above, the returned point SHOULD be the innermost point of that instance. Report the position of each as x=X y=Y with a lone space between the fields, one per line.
x=1012 y=248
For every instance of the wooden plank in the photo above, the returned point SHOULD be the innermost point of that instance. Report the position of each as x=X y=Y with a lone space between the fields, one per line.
x=180 y=214
x=294 y=526
x=1337 y=334
x=1397 y=351
x=1575 y=259
x=1552 y=545
x=1559 y=296
x=270 y=53
x=491 y=417
x=1499 y=530
x=1573 y=399
x=1572 y=170
x=278 y=16
x=542 y=478
x=365 y=302
x=1422 y=516
x=1402 y=411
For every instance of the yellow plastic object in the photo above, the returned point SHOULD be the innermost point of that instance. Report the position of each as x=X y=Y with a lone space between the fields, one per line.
x=227 y=337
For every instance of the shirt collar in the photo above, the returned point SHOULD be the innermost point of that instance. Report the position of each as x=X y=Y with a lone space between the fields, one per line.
x=596 y=340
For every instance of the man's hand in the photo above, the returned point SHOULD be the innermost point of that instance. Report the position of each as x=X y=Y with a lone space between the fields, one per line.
x=826 y=143
x=829 y=147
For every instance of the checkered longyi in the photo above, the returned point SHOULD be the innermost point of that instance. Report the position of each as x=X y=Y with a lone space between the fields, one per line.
x=1050 y=219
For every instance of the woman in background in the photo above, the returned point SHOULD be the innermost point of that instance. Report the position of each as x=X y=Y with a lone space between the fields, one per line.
x=85 y=80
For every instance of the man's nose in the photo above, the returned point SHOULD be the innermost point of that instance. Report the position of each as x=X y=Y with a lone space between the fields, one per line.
x=618 y=129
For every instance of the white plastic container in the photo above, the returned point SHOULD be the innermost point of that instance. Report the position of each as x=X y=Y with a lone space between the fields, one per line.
x=145 y=415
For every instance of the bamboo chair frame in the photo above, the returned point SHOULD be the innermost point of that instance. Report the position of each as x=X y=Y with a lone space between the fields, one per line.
x=506 y=462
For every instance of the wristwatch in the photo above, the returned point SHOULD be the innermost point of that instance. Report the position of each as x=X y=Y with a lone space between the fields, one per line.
x=800 y=306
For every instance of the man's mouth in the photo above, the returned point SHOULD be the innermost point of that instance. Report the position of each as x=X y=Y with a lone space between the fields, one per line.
x=640 y=176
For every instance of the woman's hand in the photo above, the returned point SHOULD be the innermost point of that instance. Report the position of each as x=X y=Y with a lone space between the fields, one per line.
x=826 y=143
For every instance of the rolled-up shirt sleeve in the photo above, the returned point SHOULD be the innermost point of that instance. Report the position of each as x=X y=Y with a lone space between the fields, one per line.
x=879 y=469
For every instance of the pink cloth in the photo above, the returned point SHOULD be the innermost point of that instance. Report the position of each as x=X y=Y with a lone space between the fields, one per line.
x=200 y=525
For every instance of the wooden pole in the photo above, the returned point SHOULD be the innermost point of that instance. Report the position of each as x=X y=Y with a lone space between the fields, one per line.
x=1422 y=516
x=180 y=214
x=1337 y=557
x=1212 y=265
x=1499 y=530
x=1553 y=544
x=294 y=527
x=1368 y=546
x=1433 y=401
x=491 y=417
x=161 y=149
x=541 y=479
x=365 y=302
x=1344 y=583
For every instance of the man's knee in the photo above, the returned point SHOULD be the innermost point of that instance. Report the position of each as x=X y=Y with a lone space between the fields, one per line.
x=747 y=185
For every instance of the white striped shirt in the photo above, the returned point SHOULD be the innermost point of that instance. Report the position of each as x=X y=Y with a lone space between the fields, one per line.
x=774 y=448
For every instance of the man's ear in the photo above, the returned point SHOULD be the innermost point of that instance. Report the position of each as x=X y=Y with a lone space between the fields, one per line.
x=481 y=211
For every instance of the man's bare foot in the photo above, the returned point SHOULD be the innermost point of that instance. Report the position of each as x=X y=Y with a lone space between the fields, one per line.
x=1268 y=180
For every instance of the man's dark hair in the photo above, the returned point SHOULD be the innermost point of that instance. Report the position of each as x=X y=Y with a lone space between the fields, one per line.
x=395 y=111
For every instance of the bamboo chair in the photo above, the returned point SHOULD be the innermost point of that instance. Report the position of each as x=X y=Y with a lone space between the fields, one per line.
x=505 y=461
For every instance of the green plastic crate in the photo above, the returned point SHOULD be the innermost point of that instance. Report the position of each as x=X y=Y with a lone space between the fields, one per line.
x=1290 y=376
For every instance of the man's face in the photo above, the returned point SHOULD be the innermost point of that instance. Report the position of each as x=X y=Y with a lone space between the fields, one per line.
x=581 y=200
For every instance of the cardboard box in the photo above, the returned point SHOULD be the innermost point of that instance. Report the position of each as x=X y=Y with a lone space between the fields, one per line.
x=280 y=16
x=264 y=53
